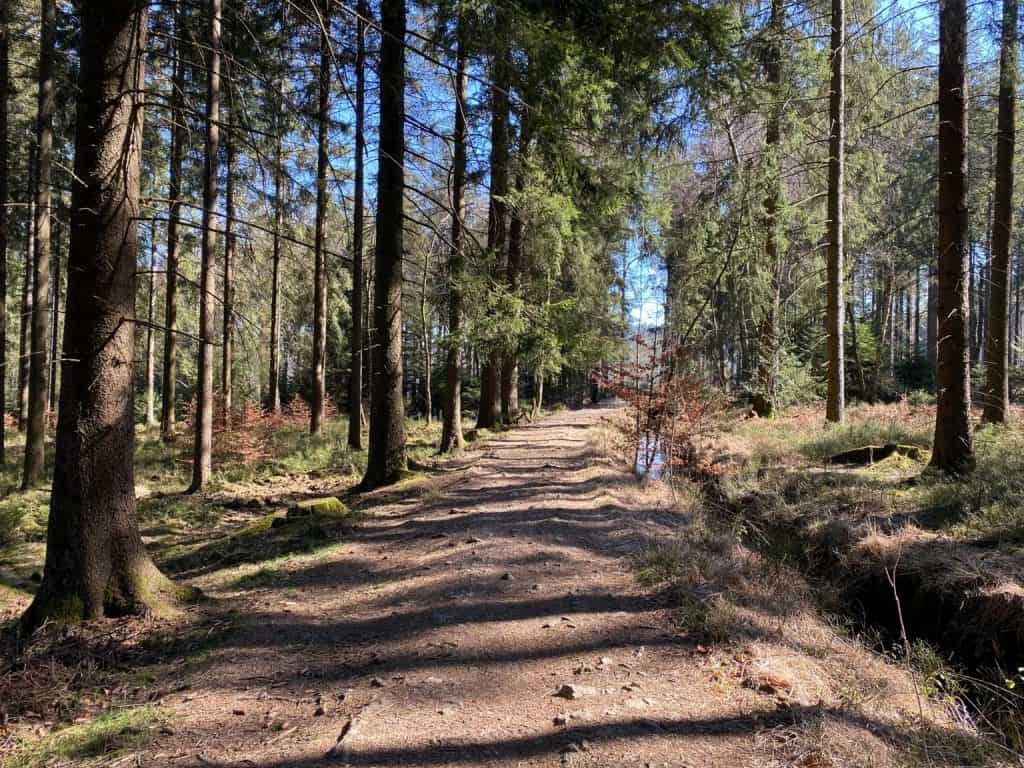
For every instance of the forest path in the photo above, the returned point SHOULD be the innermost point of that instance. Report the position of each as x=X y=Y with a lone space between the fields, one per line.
x=439 y=633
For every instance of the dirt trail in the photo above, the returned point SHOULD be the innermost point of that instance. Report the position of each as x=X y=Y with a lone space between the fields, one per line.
x=439 y=634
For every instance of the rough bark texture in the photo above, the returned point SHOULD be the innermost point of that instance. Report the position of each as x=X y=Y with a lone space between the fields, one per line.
x=202 y=460
x=996 y=399
x=355 y=375
x=835 y=406
x=387 y=460
x=451 y=431
x=953 y=451
x=490 y=371
x=35 y=461
x=5 y=13
x=96 y=563
x=316 y=423
x=178 y=139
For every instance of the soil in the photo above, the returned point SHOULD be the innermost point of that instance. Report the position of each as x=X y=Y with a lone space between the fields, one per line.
x=441 y=632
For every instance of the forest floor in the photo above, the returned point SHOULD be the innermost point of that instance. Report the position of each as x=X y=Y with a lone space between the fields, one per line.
x=510 y=607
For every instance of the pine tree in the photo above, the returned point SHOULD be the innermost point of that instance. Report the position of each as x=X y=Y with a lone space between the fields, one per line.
x=387 y=460
x=96 y=562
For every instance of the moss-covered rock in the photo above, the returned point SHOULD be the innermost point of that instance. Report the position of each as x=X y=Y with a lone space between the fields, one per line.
x=326 y=507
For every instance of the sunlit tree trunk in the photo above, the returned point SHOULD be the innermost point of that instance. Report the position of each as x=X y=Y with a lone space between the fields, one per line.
x=835 y=406
x=96 y=563
x=387 y=458
x=202 y=461
x=451 y=433
x=150 y=335
x=768 y=341
x=490 y=372
x=997 y=387
x=316 y=424
x=953 y=450
x=178 y=139
x=35 y=434
x=227 y=350
x=355 y=376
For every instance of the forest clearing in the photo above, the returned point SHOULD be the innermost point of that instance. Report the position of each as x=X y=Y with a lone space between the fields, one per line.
x=511 y=383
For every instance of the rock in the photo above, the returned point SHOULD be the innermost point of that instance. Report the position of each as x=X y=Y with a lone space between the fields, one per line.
x=473 y=540
x=376 y=683
x=328 y=506
x=319 y=712
x=560 y=720
x=507 y=577
x=572 y=691
x=239 y=712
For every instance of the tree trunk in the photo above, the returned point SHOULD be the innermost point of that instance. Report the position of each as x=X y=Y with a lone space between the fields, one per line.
x=96 y=563
x=355 y=371
x=917 y=312
x=25 y=331
x=932 y=331
x=274 y=382
x=316 y=423
x=996 y=399
x=426 y=336
x=835 y=409
x=35 y=458
x=386 y=460
x=202 y=462
x=54 y=367
x=510 y=365
x=490 y=373
x=178 y=138
x=953 y=450
x=227 y=351
x=150 y=335
x=451 y=433
x=768 y=346
x=5 y=12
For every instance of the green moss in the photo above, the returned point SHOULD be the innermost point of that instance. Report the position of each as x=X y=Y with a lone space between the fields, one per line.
x=112 y=734
x=328 y=507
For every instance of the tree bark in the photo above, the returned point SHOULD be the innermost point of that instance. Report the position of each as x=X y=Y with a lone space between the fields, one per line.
x=25 y=331
x=96 y=563
x=490 y=372
x=35 y=435
x=54 y=358
x=274 y=383
x=5 y=87
x=387 y=459
x=227 y=350
x=355 y=375
x=316 y=423
x=996 y=398
x=451 y=432
x=768 y=346
x=953 y=450
x=202 y=462
x=150 y=336
x=178 y=138
x=835 y=408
